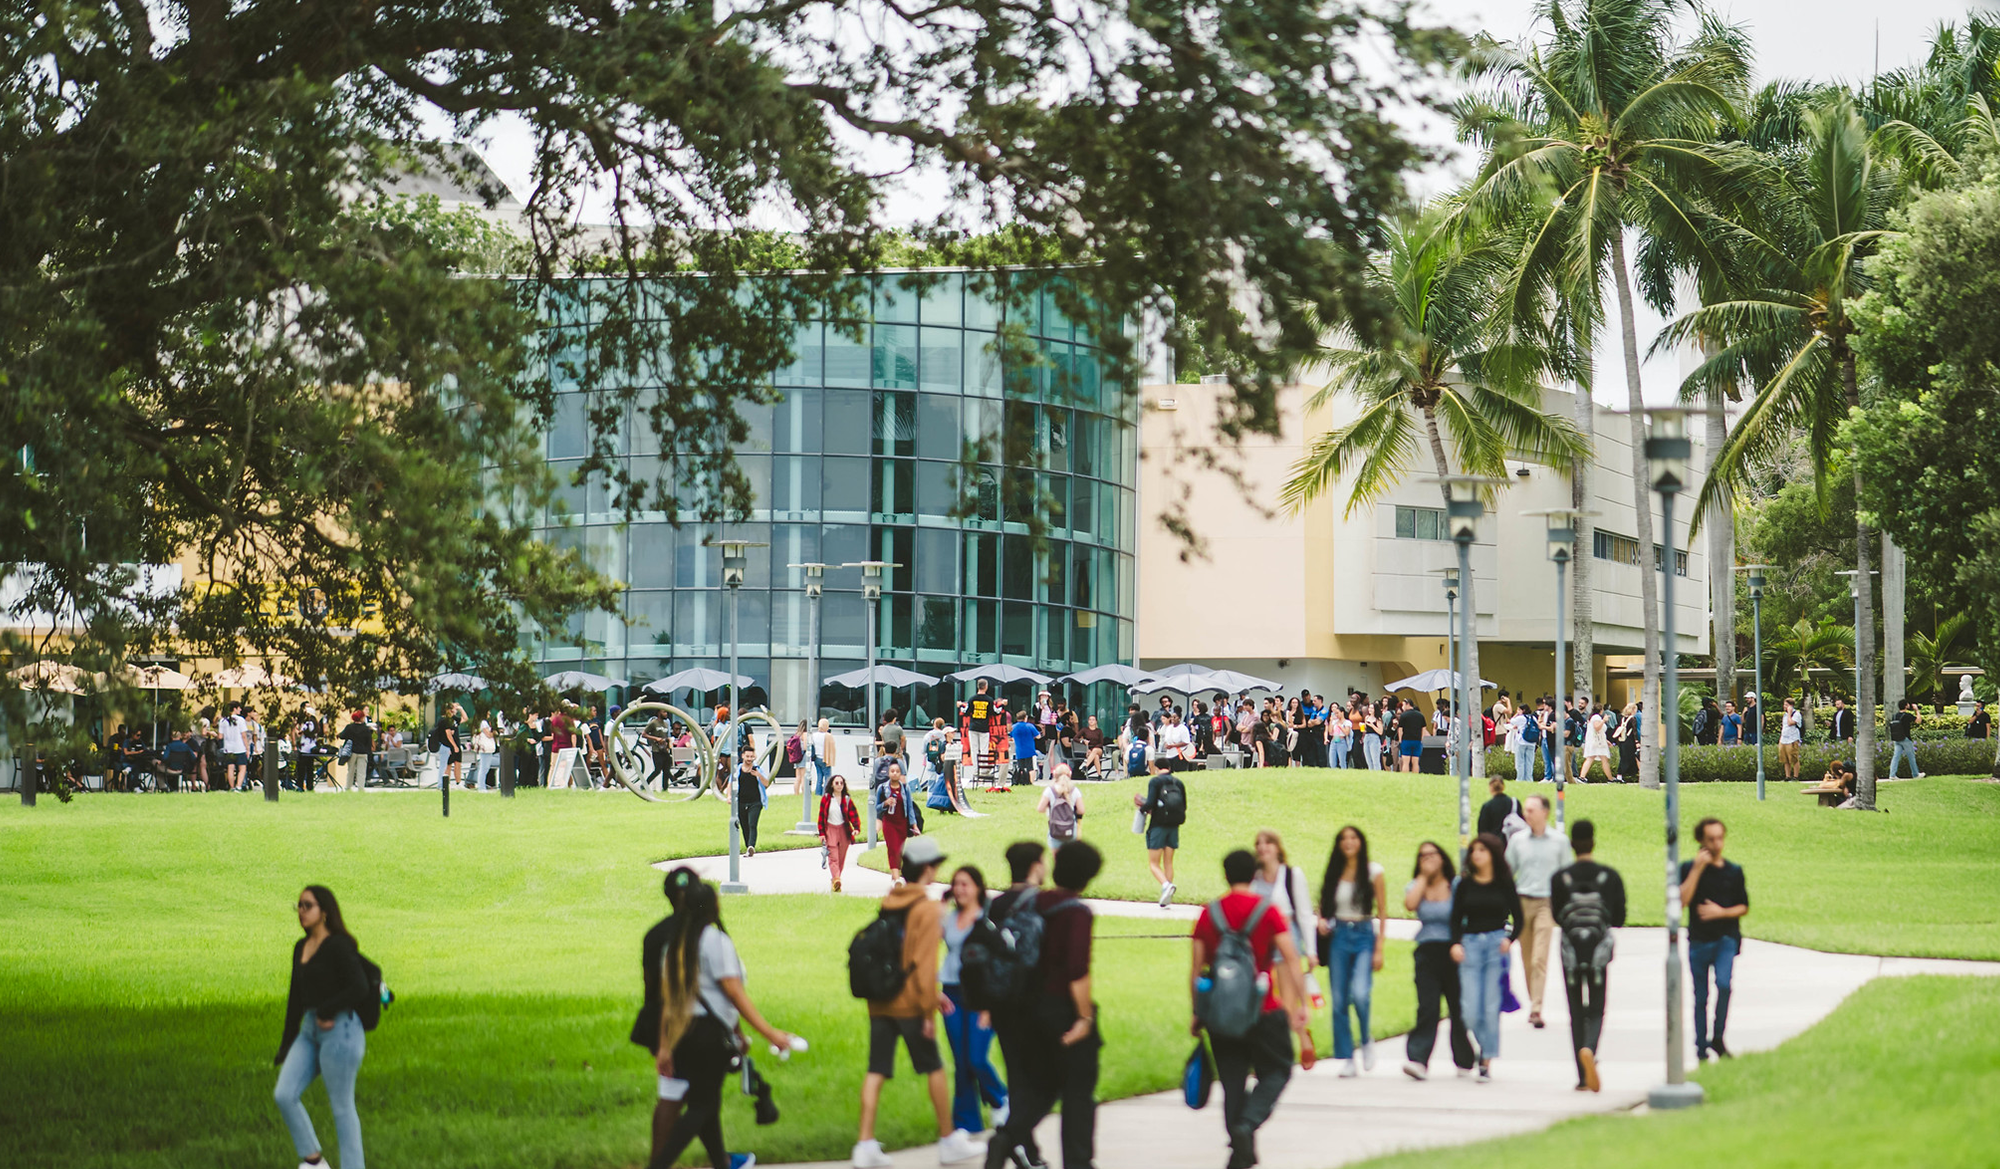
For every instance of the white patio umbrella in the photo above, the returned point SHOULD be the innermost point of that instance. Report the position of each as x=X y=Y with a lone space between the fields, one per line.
x=1237 y=682
x=1001 y=673
x=885 y=675
x=581 y=680
x=455 y=682
x=1186 y=678
x=156 y=679
x=1117 y=672
x=1431 y=681
x=696 y=678
x=248 y=676
x=45 y=674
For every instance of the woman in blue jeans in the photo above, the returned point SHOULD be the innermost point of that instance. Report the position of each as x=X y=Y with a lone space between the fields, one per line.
x=970 y=1032
x=1483 y=904
x=1351 y=945
x=323 y=1033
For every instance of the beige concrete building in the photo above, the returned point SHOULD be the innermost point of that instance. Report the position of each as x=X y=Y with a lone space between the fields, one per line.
x=1331 y=598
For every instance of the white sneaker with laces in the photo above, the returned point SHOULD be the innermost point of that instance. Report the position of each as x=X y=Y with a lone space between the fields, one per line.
x=869 y=1155
x=1368 y=1055
x=959 y=1148
x=1000 y=1115
x=1415 y=1070
x=1167 y=894
x=1349 y=1069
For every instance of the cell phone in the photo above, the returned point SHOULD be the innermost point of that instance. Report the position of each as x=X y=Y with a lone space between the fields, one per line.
x=673 y=1089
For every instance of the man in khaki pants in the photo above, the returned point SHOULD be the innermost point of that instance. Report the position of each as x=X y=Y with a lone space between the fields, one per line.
x=1535 y=856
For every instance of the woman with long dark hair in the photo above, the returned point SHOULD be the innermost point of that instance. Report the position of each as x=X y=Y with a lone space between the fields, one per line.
x=702 y=1004
x=323 y=1032
x=837 y=819
x=970 y=1032
x=1482 y=906
x=1428 y=898
x=1351 y=948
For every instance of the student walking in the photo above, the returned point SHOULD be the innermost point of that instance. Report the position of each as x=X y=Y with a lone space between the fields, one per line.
x=837 y=819
x=324 y=1036
x=753 y=792
x=970 y=1031
x=1062 y=805
x=910 y=1016
x=1428 y=898
x=1533 y=857
x=1791 y=735
x=1027 y=866
x=702 y=1006
x=1902 y=729
x=1350 y=947
x=1264 y=1048
x=1596 y=749
x=1714 y=891
x=896 y=812
x=1498 y=809
x=646 y=1028
x=1285 y=884
x=1165 y=807
x=1060 y=1041
x=1588 y=901
x=1483 y=904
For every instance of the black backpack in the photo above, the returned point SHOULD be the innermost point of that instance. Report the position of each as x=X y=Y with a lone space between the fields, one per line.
x=1586 y=923
x=1000 y=960
x=370 y=1012
x=875 y=967
x=1173 y=803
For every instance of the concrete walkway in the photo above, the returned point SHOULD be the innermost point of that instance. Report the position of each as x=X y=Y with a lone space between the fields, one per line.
x=1324 y=1120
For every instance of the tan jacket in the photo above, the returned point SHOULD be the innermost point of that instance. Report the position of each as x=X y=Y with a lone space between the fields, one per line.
x=923 y=932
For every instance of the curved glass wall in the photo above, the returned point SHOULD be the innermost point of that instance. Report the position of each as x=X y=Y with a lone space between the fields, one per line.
x=861 y=460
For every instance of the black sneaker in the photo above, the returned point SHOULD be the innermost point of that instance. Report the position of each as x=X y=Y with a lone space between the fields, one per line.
x=1716 y=1046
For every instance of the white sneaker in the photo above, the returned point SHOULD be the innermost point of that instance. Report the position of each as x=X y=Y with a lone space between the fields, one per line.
x=959 y=1148
x=1000 y=1115
x=1167 y=894
x=1368 y=1055
x=1415 y=1070
x=1465 y=1073
x=869 y=1155
x=1349 y=1069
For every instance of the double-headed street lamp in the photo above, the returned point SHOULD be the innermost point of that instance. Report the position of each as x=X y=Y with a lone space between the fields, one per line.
x=871 y=596
x=1562 y=546
x=815 y=571
x=1756 y=581
x=735 y=560
x=1668 y=450
x=1465 y=504
x=1450 y=575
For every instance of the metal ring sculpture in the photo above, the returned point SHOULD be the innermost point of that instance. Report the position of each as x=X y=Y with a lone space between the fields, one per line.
x=624 y=759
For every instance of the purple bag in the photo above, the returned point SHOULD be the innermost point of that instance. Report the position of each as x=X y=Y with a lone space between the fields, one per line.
x=1508 y=1002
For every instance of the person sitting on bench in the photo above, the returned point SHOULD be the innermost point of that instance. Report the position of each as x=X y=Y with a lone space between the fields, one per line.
x=1836 y=787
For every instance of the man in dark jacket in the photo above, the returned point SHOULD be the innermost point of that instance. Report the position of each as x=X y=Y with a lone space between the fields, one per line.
x=1494 y=812
x=1588 y=901
x=1842 y=730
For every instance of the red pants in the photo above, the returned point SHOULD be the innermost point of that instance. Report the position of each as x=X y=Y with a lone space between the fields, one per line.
x=838 y=838
x=895 y=830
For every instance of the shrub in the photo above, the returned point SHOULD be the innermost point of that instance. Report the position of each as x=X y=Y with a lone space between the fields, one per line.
x=1739 y=764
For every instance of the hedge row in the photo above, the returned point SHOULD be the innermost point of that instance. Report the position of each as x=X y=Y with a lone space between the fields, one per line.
x=1739 y=764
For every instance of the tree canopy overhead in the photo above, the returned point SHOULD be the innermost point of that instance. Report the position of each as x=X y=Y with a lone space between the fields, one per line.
x=218 y=332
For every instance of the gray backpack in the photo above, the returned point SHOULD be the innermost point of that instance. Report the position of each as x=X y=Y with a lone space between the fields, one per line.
x=1232 y=1002
x=1062 y=819
x=1587 y=943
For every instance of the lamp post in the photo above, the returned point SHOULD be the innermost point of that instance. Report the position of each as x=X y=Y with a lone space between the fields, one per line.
x=1450 y=574
x=734 y=561
x=1667 y=450
x=1756 y=580
x=1463 y=508
x=871 y=597
x=1562 y=545
x=815 y=589
x=1854 y=591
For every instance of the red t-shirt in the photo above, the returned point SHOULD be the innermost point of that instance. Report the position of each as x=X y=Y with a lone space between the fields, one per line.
x=1236 y=909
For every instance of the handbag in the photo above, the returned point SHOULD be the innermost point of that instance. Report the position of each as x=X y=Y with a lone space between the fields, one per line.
x=1138 y=821
x=1198 y=1077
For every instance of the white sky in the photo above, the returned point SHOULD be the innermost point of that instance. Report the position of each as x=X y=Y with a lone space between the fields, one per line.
x=1821 y=39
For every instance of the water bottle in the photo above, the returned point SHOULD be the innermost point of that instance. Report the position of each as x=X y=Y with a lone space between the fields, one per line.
x=784 y=1053
x=1204 y=984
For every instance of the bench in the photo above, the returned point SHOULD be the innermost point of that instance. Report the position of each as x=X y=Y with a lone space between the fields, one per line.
x=1829 y=797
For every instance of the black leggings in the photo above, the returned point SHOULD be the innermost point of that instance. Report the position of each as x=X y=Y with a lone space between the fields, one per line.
x=747 y=816
x=702 y=1059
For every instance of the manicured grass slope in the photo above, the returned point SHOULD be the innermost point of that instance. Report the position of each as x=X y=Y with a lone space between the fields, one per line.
x=1903 y=1074
x=1922 y=880
x=145 y=943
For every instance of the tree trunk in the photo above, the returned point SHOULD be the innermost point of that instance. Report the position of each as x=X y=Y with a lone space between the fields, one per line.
x=1893 y=621
x=1656 y=721
x=1864 y=632
x=1721 y=527
x=1468 y=597
x=1583 y=564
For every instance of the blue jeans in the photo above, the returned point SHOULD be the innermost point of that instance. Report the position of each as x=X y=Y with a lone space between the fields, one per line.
x=1337 y=751
x=1350 y=975
x=972 y=1074
x=1719 y=956
x=1479 y=988
x=335 y=1056
x=1371 y=752
x=1549 y=760
x=1898 y=751
x=1524 y=754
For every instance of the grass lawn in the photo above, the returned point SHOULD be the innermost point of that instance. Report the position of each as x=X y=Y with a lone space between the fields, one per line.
x=1930 y=868
x=145 y=943
x=1903 y=1074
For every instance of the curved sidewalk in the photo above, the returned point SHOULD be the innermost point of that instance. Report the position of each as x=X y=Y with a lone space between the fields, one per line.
x=1323 y=1120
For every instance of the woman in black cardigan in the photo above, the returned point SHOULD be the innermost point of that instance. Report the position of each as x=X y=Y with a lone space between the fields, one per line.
x=323 y=1032
x=1485 y=922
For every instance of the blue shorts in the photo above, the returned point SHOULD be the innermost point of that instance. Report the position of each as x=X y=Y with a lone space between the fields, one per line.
x=236 y=759
x=1159 y=838
x=1411 y=749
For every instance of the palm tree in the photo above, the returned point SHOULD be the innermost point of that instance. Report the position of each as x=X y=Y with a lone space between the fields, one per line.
x=1949 y=645
x=1805 y=236
x=1615 y=118
x=1441 y=381
x=1806 y=645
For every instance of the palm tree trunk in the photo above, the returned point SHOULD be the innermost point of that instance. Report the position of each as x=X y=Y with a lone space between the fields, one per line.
x=1864 y=631
x=1467 y=596
x=1894 y=621
x=1642 y=501
x=1582 y=565
x=1721 y=525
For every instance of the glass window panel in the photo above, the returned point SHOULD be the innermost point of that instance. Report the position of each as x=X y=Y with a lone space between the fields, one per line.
x=1055 y=570
x=846 y=430
x=808 y=348
x=1054 y=323
x=796 y=421
x=895 y=546
x=1062 y=370
x=936 y=561
x=1088 y=386
x=1055 y=634
x=982 y=302
x=938 y=427
x=757 y=417
x=847 y=357
x=1083 y=639
x=645 y=441
x=845 y=485
x=753 y=625
x=652 y=556
x=1024 y=426
x=1081 y=579
x=1083 y=508
x=795 y=484
x=1125 y=583
x=982 y=565
x=1017 y=495
x=793 y=544
x=695 y=565
x=1056 y=423
x=893 y=499
x=569 y=428
x=895 y=423
x=695 y=624
x=1055 y=498
x=982 y=422
x=937 y=619
x=791 y=622
x=756 y=560
x=843 y=544
x=570 y=496
x=895 y=623
x=941 y=301
x=604 y=550
x=1017 y=630
x=982 y=626
x=982 y=366
x=937 y=489
x=843 y=622
x=895 y=356
x=986 y=488
x=941 y=367
x=1018 y=568
x=757 y=469
x=1406 y=523
x=652 y=615
x=894 y=300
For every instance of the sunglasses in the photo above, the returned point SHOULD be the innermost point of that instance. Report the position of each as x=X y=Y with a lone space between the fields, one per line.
x=305 y=905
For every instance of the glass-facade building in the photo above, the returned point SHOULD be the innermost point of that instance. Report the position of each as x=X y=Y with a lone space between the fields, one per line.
x=862 y=459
